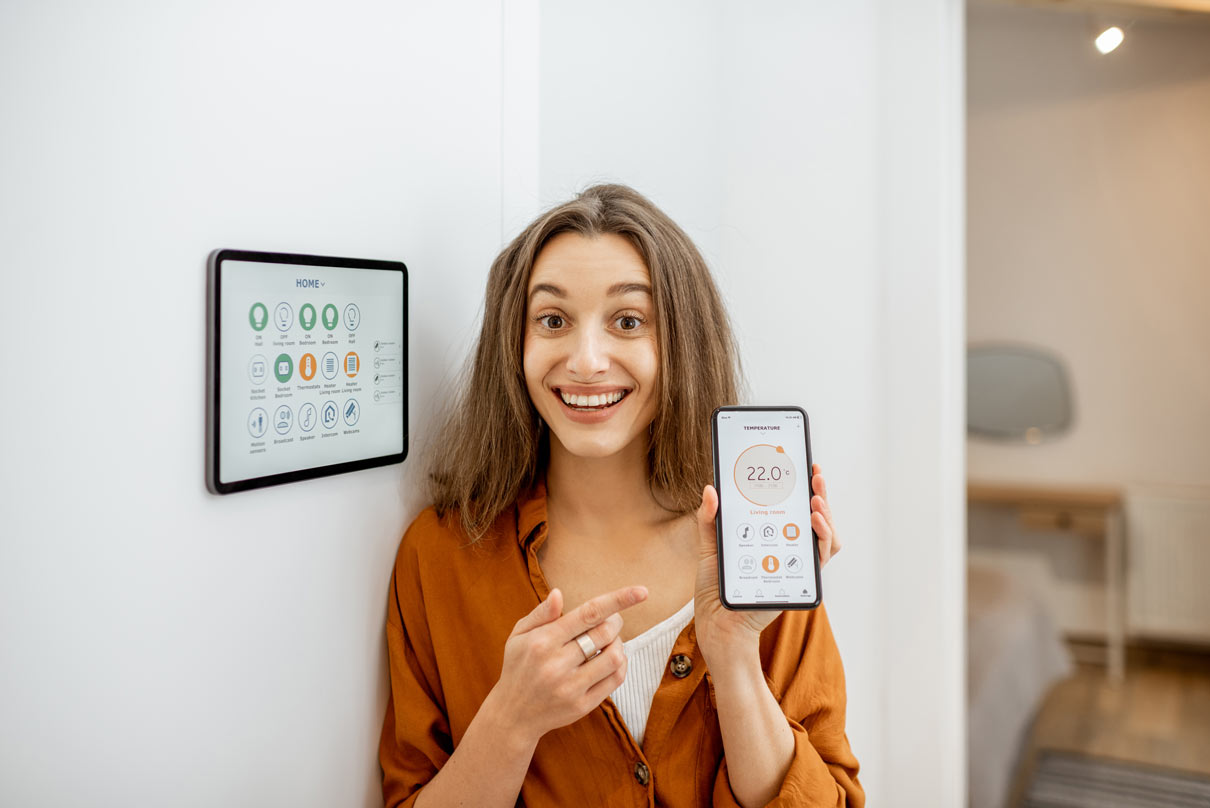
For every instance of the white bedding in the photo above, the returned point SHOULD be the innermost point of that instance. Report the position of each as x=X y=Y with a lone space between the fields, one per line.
x=1014 y=654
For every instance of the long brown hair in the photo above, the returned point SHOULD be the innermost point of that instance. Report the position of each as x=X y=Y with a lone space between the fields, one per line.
x=491 y=446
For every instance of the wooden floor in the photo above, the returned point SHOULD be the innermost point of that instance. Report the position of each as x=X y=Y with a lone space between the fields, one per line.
x=1159 y=715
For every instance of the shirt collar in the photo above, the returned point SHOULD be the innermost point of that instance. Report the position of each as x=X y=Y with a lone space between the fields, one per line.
x=531 y=514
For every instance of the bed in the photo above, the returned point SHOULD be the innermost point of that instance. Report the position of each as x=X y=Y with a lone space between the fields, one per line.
x=1015 y=653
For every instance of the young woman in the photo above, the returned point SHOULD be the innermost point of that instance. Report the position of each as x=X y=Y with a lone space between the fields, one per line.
x=554 y=629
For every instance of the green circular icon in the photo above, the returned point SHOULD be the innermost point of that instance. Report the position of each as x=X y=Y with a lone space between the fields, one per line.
x=283 y=368
x=258 y=316
x=330 y=317
x=306 y=316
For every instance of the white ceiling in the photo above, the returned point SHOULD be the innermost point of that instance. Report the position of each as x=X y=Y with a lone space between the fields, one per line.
x=1191 y=9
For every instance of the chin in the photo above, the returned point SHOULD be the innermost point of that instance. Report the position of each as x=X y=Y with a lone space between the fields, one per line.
x=591 y=447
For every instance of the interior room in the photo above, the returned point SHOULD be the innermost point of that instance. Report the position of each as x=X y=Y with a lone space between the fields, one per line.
x=165 y=644
x=1088 y=475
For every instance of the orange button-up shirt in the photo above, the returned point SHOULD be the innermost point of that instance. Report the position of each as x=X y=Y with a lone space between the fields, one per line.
x=451 y=608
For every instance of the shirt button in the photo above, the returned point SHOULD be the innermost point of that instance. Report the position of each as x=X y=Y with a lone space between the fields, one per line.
x=641 y=773
x=681 y=665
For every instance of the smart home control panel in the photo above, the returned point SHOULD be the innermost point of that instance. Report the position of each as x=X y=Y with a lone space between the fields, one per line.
x=308 y=367
x=768 y=556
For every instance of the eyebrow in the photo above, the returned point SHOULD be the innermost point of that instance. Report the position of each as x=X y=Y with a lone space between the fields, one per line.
x=612 y=291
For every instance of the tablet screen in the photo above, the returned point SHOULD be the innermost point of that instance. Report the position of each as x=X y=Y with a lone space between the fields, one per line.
x=310 y=377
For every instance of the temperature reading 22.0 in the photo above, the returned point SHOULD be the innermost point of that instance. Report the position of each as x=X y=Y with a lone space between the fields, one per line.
x=764 y=474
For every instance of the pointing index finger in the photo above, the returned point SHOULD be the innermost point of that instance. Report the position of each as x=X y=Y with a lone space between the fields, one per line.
x=595 y=611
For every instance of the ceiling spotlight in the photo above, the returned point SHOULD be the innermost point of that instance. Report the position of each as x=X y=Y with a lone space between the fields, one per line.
x=1109 y=39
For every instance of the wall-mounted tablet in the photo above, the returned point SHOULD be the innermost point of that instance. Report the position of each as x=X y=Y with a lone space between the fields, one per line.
x=307 y=367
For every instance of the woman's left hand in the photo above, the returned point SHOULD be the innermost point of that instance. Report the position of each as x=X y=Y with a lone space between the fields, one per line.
x=720 y=631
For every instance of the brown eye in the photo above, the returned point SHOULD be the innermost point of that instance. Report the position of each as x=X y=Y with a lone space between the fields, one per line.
x=628 y=323
x=552 y=321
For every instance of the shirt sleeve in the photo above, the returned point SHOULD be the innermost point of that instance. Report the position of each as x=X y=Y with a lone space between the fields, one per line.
x=416 y=740
x=823 y=771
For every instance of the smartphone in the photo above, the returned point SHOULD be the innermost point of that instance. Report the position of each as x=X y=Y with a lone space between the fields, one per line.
x=768 y=554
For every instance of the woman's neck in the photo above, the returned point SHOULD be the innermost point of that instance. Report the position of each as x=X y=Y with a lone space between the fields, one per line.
x=600 y=497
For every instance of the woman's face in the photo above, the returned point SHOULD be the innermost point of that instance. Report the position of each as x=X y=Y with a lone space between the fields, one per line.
x=591 y=357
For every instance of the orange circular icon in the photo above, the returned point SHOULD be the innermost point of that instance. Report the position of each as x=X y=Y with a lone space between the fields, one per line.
x=770 y=564
x=791 y=531
x=352 y=364
x=307 y=366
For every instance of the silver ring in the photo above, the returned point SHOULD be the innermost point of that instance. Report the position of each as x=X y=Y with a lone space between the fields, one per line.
x=587 y=646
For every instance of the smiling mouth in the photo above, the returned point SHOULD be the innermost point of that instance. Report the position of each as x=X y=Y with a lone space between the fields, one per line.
x=593 y=403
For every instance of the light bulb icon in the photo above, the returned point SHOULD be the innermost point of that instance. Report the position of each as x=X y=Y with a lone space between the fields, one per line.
x=284 y=316
x=257 y=316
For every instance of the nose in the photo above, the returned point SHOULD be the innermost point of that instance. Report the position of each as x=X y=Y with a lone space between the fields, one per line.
x=589 y=356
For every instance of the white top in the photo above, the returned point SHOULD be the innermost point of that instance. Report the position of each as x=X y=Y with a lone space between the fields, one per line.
x=647 y=657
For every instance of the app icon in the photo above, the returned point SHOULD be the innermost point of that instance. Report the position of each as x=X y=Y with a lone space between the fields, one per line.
x=793 y=564
x=306 y=366
x=330 y=415
x=306 y=417
x=770 y=564
x=745 y=532
x=352 y=364
x=258 y=316
x=306 y=316
x=258 y=369
x=352 y=412
x=283 y=419
x=768 y=531
x=790 y=531
x=330 y=317
x=331 y=365
x=352 y=316
x=258 y=422
x=747 y=564
x=283 y=368
x=283 y=317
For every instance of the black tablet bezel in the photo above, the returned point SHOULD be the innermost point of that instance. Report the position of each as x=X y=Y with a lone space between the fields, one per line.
x=214 y=351
x=718 y=522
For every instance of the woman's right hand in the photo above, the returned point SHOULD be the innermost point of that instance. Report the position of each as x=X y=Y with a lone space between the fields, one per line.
x=546 y=682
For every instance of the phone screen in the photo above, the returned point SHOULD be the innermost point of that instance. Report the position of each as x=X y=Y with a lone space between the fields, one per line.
x=768 y=556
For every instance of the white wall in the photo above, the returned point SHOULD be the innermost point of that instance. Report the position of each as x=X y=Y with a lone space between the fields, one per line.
x=161 y=643
x=788 y=139
x=1089 y=186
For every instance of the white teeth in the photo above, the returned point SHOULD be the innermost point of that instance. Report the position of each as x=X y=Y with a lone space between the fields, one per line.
x=601 y=400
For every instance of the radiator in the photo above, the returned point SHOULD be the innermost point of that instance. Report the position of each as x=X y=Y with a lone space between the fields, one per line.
x=1168 y=565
